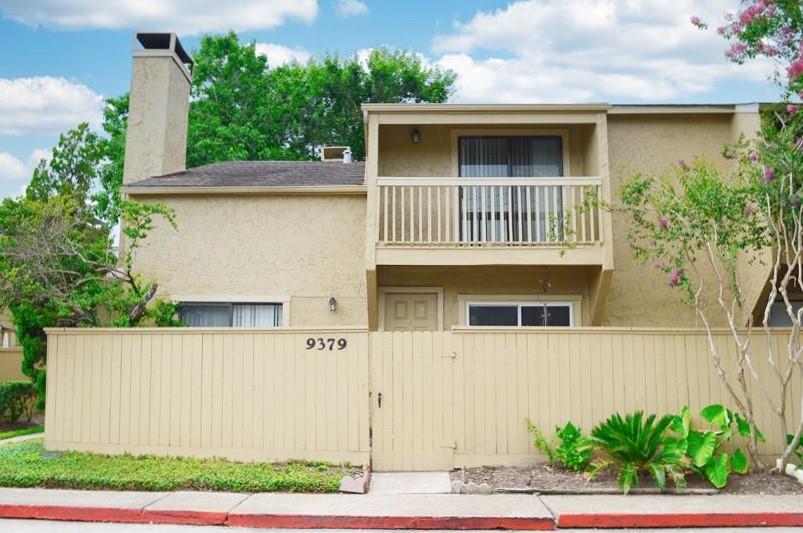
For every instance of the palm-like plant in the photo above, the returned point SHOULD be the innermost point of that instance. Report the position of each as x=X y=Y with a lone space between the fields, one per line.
x=634 y=444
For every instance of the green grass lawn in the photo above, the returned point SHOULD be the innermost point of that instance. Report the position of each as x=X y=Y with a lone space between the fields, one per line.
x=20 y=432
x=26 y=464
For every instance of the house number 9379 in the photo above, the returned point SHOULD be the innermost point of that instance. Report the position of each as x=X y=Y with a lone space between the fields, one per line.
x=319 y=343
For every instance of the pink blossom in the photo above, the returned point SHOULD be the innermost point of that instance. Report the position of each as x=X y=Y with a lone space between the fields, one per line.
x=674 y=277
x=697 y=21
x=749 y=208
x=753 y=156
x=769 y=175
x=795 y=69
x=791 y=109
x=663 y=223
x=736 y=50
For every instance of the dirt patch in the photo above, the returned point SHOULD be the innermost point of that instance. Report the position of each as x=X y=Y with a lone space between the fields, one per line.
x=37 y=419
x=546 y=479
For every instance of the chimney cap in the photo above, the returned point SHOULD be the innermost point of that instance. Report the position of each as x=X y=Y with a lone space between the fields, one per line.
x=165 y=41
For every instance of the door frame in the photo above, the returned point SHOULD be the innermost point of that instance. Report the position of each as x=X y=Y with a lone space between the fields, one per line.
x=438 y=291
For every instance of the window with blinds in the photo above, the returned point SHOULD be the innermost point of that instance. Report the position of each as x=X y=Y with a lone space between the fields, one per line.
x=237 y=315
x=509 y=157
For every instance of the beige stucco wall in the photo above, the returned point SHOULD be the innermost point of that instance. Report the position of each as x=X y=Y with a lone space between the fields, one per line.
x=652 y=144
x=435 y=155
x=307 y=248
x=508 y=281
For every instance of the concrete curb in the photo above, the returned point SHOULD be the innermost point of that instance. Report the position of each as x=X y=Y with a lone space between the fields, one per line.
x=272 y=521
x=678 y=520
x=388 y=522
x=358 y=512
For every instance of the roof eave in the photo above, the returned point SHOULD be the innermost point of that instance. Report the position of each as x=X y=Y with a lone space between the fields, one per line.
x=246 y=190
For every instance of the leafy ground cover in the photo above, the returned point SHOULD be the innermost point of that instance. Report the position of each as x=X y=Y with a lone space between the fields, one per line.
x=27 y=464
x=11 y=432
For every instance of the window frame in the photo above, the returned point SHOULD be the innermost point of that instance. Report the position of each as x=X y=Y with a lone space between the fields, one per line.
x=231 y=302
x=572 y=304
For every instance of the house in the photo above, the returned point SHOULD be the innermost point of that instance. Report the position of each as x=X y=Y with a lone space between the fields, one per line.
x=388 y=311
x=460 y=215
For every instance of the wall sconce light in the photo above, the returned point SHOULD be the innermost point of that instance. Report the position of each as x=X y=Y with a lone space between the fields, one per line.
x=332 y=304
x=415 y=136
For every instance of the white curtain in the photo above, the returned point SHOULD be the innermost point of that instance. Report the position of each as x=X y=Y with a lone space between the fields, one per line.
x=257 y=315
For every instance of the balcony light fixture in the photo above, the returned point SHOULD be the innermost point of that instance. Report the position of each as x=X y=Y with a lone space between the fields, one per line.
x=332 y=304
x=415 y=136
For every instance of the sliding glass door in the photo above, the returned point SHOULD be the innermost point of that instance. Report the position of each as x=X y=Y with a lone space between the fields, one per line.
x=491 y=213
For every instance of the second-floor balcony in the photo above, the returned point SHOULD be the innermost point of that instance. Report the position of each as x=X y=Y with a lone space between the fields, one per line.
x=489 y=220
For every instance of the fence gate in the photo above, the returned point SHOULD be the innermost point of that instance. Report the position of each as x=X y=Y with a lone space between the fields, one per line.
x=412 y=418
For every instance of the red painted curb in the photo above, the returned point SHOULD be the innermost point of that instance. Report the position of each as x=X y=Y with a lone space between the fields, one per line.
x=193 y=518
x=629 y=520
x=79 y=514
x=386 y=522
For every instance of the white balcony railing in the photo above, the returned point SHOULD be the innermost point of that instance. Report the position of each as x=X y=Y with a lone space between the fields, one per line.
x=456 y=212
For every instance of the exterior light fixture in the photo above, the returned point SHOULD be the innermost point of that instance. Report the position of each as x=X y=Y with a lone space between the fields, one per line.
x=415 y=136
x=332 y=304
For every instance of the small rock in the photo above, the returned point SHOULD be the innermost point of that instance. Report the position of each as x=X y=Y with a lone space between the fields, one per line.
x=457 y=486
x=353 y=485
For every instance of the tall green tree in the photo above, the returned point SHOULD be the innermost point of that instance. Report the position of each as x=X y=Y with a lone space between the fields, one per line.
x=243 y=108
x=58 y=262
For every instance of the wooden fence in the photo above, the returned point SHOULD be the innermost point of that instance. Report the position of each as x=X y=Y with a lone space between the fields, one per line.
x=10 y=364
x=432 y=400
x=241 y=394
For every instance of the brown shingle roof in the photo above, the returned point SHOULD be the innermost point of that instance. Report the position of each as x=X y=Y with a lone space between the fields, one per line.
x=261 y=174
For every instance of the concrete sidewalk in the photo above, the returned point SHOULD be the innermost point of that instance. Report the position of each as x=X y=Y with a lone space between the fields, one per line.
x=402 y=511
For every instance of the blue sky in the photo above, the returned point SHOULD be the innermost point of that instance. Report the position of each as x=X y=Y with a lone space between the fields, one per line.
x=62 y=57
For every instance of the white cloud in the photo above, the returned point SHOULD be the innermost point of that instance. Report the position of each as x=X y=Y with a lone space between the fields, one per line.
x=278 y=54
x=553 y=50
x=11 y=168
x=350 y=8
x=46 y=104
x=38 y=154
x=183 y=16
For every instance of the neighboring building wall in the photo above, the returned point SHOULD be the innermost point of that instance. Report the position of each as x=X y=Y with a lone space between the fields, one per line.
x=305 y=248
x=651 y=144
x=11 y=364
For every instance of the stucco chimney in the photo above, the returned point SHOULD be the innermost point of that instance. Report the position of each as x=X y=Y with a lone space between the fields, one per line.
x=161 y=77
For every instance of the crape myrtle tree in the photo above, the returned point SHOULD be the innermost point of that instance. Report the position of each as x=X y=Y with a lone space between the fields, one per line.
x=58 y=262
x=243 y=108
x=703 y=227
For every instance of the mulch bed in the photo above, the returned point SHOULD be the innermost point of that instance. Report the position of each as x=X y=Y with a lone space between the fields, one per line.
x=543 y=478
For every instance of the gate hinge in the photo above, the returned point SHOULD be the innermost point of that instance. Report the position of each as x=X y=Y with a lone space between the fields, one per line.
x=451 y=355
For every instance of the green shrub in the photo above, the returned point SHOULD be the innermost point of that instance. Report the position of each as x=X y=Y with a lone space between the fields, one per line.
x=633 y=444
x=704 y=447
x=572 y=453
x=17 y=399
x=541 y=443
